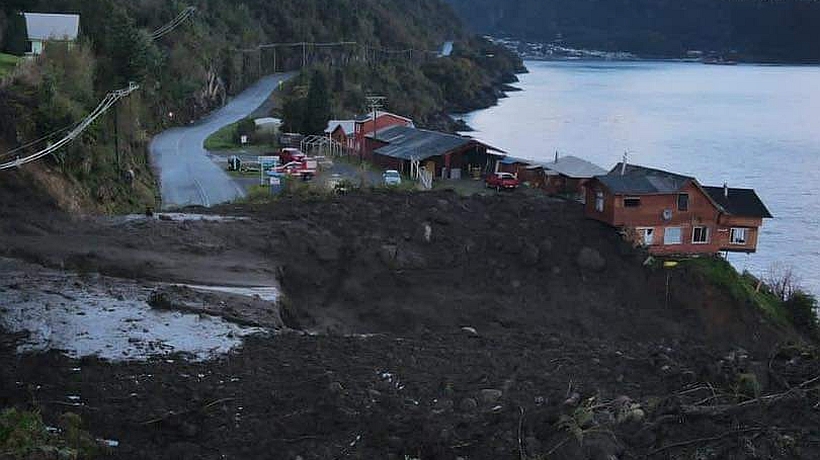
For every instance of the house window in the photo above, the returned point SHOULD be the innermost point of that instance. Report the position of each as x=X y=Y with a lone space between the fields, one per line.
x=738 y=236
x=672 y=235
x=646 y=235
x=599 y=201
x=700 y=235
x=683 y=202
x=632 y=202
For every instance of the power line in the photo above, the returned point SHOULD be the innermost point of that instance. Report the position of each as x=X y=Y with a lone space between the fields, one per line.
x=168 y=28
x=109 y=100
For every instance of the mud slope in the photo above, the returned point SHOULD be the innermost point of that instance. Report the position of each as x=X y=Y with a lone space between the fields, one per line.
x=363 y=264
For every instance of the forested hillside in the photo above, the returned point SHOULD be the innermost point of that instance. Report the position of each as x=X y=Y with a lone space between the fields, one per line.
x=192 y=70
x=764 y=30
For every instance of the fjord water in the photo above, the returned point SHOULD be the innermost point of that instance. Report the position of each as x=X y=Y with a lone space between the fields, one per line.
x=751 y=126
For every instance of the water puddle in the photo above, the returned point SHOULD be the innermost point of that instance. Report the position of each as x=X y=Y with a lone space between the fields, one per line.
x=176 y=217
x=104 y=317
x=266 y=293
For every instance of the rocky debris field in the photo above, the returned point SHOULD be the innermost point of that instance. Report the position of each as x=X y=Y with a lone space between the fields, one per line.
x=422 y=325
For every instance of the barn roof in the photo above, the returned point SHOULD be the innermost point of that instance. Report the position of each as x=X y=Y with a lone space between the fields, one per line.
x=739 y=202
x=48 y=26
x=408 y=143
x=348 y=126
x=380 y=113
x=640 y=180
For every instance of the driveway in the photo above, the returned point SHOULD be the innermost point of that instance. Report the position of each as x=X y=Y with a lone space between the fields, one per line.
x=187 y=176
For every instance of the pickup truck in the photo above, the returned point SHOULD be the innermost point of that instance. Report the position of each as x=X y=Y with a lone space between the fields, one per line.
x=501 y=180
x=304 y=169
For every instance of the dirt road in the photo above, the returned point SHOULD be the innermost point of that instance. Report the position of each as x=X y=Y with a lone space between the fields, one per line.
x=187 y=176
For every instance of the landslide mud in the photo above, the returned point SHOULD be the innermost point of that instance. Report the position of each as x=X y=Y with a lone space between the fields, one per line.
x=432 y=326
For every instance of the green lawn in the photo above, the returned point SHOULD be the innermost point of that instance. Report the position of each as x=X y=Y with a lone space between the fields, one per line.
x=741 y=287
x=7 y=64
x=223 y=139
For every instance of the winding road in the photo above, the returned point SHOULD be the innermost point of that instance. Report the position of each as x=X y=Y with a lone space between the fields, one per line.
x=187 y=176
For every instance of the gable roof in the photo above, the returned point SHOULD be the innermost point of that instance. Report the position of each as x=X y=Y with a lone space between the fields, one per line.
x=739 y=202
x=47 y=26
x=380 y=113
x=348 y=126
x=408 y=143
x=574 y=167
x=640 y=180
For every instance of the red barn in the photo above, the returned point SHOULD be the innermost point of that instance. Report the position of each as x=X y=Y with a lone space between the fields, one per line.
x=673 y=214
x=369 y=124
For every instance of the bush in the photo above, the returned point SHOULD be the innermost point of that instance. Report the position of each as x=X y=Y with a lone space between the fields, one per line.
x=802 y=309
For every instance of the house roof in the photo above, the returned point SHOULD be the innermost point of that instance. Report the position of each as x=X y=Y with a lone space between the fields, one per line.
x=348 y=126
x=408 y=143
x=46 y=26
x=640 y=180
x=381 y=113
x=267 y=121
x=739 y=202
x=573 y=167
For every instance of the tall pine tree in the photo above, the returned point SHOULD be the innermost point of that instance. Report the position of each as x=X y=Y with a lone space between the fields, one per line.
x=16 y=37
x=317 y=105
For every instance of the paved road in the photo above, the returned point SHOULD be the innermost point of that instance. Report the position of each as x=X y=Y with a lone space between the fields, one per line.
x=186 y=175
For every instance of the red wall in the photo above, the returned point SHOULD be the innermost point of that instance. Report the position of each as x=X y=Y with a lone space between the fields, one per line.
x=701 y=213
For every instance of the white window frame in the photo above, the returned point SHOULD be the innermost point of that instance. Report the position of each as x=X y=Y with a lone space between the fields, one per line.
x=708 y=235
x=736 y=230
x=642 y=234
x=599 y=201
x=666 y=232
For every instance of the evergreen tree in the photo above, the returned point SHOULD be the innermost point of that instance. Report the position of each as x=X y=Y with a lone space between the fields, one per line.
x=317 y=105
x=293 y=114
x=16 y=37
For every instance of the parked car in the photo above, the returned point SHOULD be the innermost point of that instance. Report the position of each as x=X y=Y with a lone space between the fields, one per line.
x=391 y=178
x=502 y=180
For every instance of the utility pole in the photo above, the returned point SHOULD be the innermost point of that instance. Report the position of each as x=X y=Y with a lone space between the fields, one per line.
x=304 y=55
x=375 y=103
x=117 y=137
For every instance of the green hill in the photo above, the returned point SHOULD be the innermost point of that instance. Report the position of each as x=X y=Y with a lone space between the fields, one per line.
x=195 y=68
x=762 y=30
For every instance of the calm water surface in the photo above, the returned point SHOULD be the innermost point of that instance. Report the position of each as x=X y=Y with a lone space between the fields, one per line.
x=748 y=125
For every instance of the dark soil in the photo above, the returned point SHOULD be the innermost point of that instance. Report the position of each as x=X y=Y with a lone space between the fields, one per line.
x=441 y=327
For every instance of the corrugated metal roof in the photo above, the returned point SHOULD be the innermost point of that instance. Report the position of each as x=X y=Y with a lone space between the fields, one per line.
x=574 y=167
x=740 y=202
x=47 y=26
x=410 y=143
x=380 y=113
x=640 y=180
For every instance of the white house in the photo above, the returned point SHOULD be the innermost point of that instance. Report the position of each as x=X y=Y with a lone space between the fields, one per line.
x=46 y=27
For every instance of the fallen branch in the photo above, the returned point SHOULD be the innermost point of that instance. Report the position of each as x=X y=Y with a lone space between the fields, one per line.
x=522 y=455
x=702 y=440
x=188 y=411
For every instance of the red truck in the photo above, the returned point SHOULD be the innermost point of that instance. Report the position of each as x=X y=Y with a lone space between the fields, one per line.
x=304 y=169
x=502 y=180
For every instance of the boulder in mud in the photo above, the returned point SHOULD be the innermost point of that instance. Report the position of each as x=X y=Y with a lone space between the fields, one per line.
x=490 y=396
x=591 y=259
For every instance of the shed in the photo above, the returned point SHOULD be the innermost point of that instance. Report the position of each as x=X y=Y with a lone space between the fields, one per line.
x=448 y=156
x=46 y=27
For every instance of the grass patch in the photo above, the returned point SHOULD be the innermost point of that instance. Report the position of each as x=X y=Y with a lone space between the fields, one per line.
x=24 y=435
x=8 y=63
x=224 y=139
x=741 y=287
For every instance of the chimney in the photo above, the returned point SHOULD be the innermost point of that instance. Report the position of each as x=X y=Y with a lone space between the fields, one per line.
x=726 y=190
x=556 y=156
x=623 y=164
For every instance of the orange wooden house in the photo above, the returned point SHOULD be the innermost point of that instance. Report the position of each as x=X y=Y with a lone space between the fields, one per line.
x=673 y=214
